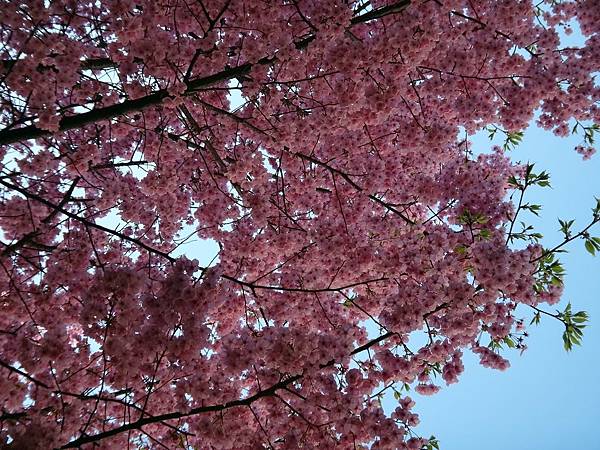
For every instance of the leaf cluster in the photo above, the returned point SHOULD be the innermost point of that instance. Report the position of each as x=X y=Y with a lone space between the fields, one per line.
x=469 y=218
x=574 y=325
x=588 y=132
x=498 y=344
x=432 y=444
x=550 y=272
x=530 y=178
x=512 y=138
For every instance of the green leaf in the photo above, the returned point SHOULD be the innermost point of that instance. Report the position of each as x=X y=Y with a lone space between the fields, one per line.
x=596 y=209
x=528 y=170
x=577 y=331
x=485 y=234
x=495 y=345
x=432 y=443
x=512 y=139
x=508 y=341
x=565 y=227
x=480 y=218
x=590 y=247
x=535 y=209
x=567 y=342
x=544 y=183
x=460 y=249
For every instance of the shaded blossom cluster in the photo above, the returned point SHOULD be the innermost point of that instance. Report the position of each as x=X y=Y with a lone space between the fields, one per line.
x=335 y=187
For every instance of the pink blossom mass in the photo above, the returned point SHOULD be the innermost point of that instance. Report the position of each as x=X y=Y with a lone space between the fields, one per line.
x=322 y=146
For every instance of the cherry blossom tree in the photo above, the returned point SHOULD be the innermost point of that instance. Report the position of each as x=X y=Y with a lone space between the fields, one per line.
x=349 y=211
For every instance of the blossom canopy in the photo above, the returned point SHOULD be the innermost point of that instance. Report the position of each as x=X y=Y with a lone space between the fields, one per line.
x=322 y=146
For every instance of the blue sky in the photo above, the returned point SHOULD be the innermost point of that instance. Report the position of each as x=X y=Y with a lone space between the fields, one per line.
x=548 y=399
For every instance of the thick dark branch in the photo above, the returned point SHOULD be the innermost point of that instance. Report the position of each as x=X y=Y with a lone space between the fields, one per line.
x=98 y=64
x=87 y=64
x=137 y=425
x=378 y=13
x=128 y=106
x=137 y=242
x=298 y=289
x=119 y=164
x=80 y=120
x=127 y=404
x=16 y=246
x=13 y=416
x=371 y=343
x=11 y=136
x=389 y=334
x=63 y=201
x=271 y=391
x=23 y=374
x=28 y=239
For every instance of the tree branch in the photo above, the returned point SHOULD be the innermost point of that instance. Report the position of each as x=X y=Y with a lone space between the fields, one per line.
x=85 y=221
x=11 y=136
x=138 y=424
x=349 y=180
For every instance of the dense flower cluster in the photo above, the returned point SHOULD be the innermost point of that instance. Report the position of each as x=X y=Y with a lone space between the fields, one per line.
x=586 y=152
x=338 y=193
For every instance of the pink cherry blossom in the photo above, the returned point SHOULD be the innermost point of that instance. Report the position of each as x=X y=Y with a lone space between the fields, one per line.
x=321 y=147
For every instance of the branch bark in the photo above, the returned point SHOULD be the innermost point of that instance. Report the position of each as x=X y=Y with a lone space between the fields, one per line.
x=271 y=391
x=11 y=136
x=138 y=424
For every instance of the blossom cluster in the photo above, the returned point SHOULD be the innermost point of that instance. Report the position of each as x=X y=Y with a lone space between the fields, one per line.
x=323 y=148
